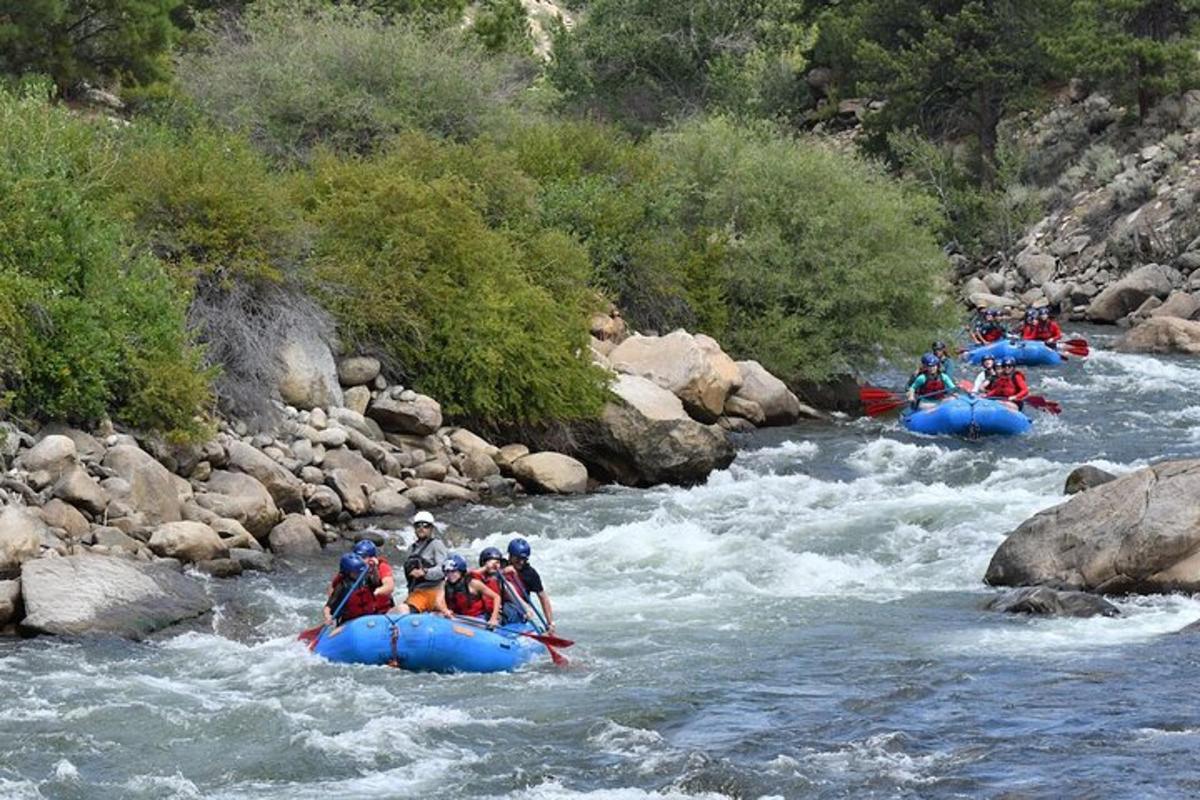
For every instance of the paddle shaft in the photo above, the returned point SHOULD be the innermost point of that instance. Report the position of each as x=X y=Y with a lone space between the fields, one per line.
x=337 y=613
x=555 y=656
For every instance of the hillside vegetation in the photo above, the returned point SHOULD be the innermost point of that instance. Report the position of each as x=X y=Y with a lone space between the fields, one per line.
x=434 y=194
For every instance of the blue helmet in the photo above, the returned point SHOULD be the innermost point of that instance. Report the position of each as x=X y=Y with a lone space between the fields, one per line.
x=352 y=565
x=991 y=312
x=1044 y=311
x=455 y=563
x=939 y=345
x=488 y=553
x=987 y=358
x=519 y=548
x=366 y=548
x=1008 y=361
x=930 y=360
x=1031 y=312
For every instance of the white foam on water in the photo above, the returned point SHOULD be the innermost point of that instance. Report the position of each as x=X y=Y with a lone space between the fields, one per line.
x=553 y=790
x=65 y=771
x=880 y=754
x=20 y=790
x=180 y=788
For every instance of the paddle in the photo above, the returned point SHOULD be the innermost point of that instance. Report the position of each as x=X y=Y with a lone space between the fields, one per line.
x=320 y=629
x=1049 y=406
x=558 y=659
x=543 y=638
x=882 y=401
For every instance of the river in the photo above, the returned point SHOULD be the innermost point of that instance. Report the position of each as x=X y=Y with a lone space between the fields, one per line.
x=804 y=625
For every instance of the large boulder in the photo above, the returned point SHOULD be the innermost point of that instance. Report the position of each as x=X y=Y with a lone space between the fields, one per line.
x=353 y=478
x=90 y=593
x=238 y=496
x=1140 y=534
x=54 y=454
x=286 y=489
x=76 y=487
x=1043 y=601
x=779 y=405
x=1037 y=268
x=1162 y=335
x=463 y=441
x=297 y=535
x=307 y=372
x=551 y=473
x=146 y=485
x=21 y=534
x=187 y=541
x=1126 y=295
x=1182 y=305
x=65 y=517
x=693 y=368
x=408 y=413
x=644 y=437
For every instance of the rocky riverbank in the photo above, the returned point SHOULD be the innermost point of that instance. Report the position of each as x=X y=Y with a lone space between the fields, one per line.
x=99 y=530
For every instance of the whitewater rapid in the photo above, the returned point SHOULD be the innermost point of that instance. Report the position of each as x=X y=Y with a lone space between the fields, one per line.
x=805 y=624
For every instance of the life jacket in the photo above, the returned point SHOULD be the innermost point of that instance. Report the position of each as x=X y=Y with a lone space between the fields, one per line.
x=932 y=386
x=360 y=604
x=383 y=602
x=1048 y=330
x=1002 y=386
x=492 y=582
x=1030 y=330
x=992 y=332
x=461 y=600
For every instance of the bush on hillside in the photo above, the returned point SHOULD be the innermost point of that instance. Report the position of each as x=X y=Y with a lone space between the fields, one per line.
x=294 y=75
x=87 y=326
x=412 y=270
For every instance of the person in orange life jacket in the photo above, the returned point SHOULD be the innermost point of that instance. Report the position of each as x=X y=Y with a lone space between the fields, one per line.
x=525 y=579
x=468 y=595
x=513 y=609
x=1009 y=384
x=362 y=601
x=369 y=553
x=929 y=382
x=423 y=566
x=1029 y=327
x=1047 y=330
x=986 y=375
x=989 y=329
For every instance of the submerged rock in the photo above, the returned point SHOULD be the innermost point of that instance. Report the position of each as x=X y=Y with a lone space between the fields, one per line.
x=1086 y=477
x=1044 y=601
x=106 y=595
x=1140 y=534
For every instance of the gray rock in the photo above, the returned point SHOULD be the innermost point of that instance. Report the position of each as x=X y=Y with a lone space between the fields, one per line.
x=308 y=375
x=1121 y=298
x=693 y=368
x=235 y=495
x=1086 y=477
x=220 y=567
x=1037 y=268
x=430 y=494
x=77 y=488
x=478 y=465
x=511 y=452
x=285 y=488
x=354 y=478
x=551 y=473
x=463 y=441
x=389 y=502
x=234 y=534
x=253 y=560
x=21 y=535
x=151 y=490
x=10 y=601
x=313 y=475
x=1180 y=305
x=187 y=541
x=53 y=454
x=114 y=539
x=1162 y=335
x=419 y=416
x=736 y=425
x=87 y=447
x=434 y=470
x=357 y=398
x=352 y=420
x=324 y=502
x=1140 y=534
x=744 y=408
x=779 y=405
x=332 y=437
x=1042 y=601
x=358 y=370
x=297 y=535
x=107 y=595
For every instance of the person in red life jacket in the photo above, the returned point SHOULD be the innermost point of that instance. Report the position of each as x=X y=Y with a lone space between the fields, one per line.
x=1029 y=327
x=1009 y=384
x=513 y=608
x=929 y=383
x=1048 y=330
x=368 y=552
x=467 y=595
x=521 y=575
x=989 y=329
x=361 y=602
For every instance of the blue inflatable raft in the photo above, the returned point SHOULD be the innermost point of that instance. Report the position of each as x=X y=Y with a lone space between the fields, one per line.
x=428 y=643
x=967 y=416
x=1025 y=351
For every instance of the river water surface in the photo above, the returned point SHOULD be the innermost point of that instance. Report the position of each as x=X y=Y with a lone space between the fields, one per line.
x=804 y=625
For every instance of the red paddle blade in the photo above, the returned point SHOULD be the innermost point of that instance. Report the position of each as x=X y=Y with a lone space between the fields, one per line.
x=1049 y=406
x=879 y=409
x=550 y=639
x=1077 y=342
x=310 y=634
x=871 y=393
x=558 y=658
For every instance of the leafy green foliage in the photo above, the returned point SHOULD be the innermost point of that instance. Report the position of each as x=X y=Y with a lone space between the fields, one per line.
x=96 y=40
x=644 y=62
x=92 y=328
x=296 y=75
x=411 y=267
x=503 y=26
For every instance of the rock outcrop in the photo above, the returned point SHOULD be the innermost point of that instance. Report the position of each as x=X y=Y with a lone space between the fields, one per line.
x=693 y=368
x=308 y=375
x=1141 y=533
x=1162 y=335
x=1125 y=295
x=107 y=595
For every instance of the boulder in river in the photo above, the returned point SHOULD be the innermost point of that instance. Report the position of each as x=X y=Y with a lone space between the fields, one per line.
x=187 y=541
x=107 y=595
x=1140 y=534
x=1162 y=335
x=693 y=368
x=1086 y=477
x=552 y=473
x=779 y=405
x=296 y=536
x=1126 y=295
x=1043 y=601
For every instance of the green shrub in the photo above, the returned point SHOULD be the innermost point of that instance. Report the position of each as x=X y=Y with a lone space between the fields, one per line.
x=91 y=328
x=295 y=75
x=412 y=269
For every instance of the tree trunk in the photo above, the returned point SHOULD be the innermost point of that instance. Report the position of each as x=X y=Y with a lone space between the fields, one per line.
x=988 y=118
